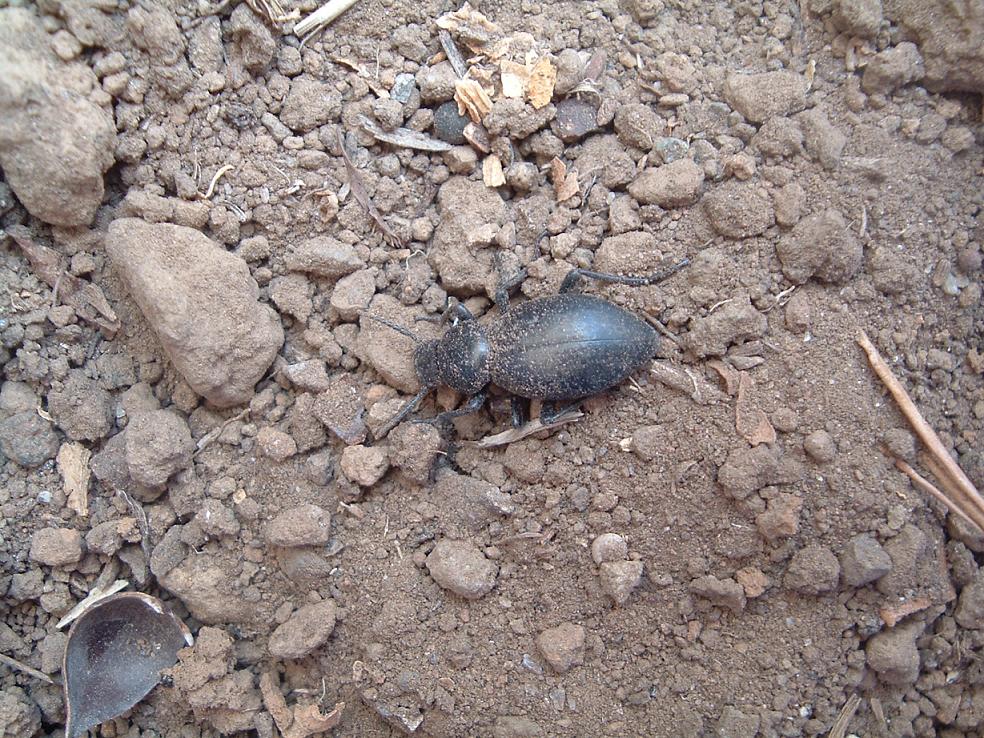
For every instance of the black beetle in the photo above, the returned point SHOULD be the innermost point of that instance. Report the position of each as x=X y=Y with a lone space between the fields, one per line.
x=557 y=349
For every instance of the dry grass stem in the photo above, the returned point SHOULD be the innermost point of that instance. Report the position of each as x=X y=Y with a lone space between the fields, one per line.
x=322 y=16
x=839 y=728
x=958 y=488
x=928 y=487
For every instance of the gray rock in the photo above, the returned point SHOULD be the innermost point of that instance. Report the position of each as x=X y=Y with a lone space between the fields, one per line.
x=324 y=256
x=28 y=439
x=56 y=546
x=158 y=446
x=637 y=125
x=619 y=579
x=82 y=409
x=304 y=525
x=821 y=246
x=202 y=303
x=813 y=570
x=759 y=97
x=305 y=630
x=672 y=185
x=892 y=68
x=863 y=561
x=562 y=646
x=352 y=294
x=609 y=547
x=449 y=125
x=55 y=145
x=860 y=18
x=893 y=654
x=970 y=606
x=460 y=567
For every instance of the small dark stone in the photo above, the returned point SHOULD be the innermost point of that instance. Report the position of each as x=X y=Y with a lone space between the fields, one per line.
x=575 y=119
x=449 y=125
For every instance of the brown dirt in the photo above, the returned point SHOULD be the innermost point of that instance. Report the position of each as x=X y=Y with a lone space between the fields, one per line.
x=830 y=193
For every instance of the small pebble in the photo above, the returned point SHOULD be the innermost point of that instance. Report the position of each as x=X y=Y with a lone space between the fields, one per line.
x=609 y=547
x=562 y=646
x=820 y=446
x=449 y=125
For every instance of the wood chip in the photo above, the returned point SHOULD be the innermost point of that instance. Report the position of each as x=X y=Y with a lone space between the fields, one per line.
x=516 y=434
x=477 y=136
x=472 y=99
x=895 y=612
x=451 y=51
x=73 y=465
x=492 y=173
x=87 y=299
x=514 y=77
x=729 y=376
x=541 y=85
x=95 y=595
x=404 y=137
x=690 y=383
x=564 y=183
x=750 y=421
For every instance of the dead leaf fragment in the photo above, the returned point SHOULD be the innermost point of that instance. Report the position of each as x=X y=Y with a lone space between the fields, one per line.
x=492 y=173
x=696 y=387
x=515 y=77
x=472 y=99
x=470 y=26
x=542 y=81
x=86 y=298
x=303 y=720
x=73 y=465
x=751 y=422
x=308 y=720
x=564 y=183
x=274 y=702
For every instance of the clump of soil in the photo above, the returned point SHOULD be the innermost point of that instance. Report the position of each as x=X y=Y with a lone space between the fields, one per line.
x=205 y=211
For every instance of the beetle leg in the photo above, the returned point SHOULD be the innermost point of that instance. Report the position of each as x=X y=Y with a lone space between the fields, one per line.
x=404 y=412
x=473 y=405
x=520 y=412
x=502 y=291
x=571 y=280
x=553 y=410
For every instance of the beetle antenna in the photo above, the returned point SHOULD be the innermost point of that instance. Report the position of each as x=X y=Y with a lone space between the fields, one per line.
x=398 y=328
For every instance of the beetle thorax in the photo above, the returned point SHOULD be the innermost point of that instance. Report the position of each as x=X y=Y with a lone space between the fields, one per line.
x=462 y=357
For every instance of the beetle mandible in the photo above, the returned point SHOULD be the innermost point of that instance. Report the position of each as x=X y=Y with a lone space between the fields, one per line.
x=558 y=349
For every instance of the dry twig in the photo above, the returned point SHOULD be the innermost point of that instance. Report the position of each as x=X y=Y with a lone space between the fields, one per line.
x=20 y=666
x=956 y=486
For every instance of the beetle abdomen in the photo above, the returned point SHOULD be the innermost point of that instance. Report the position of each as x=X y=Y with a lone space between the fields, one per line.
x=567 y=346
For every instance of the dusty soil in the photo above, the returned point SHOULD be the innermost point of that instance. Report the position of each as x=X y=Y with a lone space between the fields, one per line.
x=643 y=571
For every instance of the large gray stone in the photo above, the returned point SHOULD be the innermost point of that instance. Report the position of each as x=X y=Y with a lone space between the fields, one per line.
x=202 y=303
